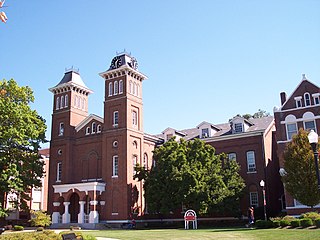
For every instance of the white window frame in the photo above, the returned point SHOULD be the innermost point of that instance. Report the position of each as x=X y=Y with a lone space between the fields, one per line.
x=138 y=90
x=298 y=102
x=62 y=102
x=115 y=118
x=61 y=129
x=134 y=163
x=66 y=102
x=58 y=103
x=93 y=127
x=131 y=87
x=254 y=199
x=83 y=104
x=59 y=171
x=307 y=99
x=115 y=166
x=115 y=88
x=134 y=118
x=134 y=92
x=291 y=133
x=99 y=128
x=251 y=162
x=314 y=125
x=145 y=161
x=110 y=89
x=237 y=127
x=87 y=130
x=232 y=156
x=120 y=86
x=316 y=98
x=204 y=132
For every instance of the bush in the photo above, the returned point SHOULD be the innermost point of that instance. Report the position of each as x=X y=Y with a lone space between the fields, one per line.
x=264 y=224
x=295 y=223
x=276 y=223
x=18 y=228
x=317 y=222
x=40 y=219
x=306 y=222
x=39 y=229
x=45 y=235
x=311 y=215
x=284 y=223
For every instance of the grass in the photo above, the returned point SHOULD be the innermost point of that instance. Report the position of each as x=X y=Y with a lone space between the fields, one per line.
x=206 y=234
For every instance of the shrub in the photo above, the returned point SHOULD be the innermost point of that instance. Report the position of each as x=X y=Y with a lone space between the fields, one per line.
x=288 y=218
x=306 y=222
x=317 y=222
x=295 y=223
x=18 y=228
x=276 y=223
x=40 y=219
x=311 y=215
x=284 y=223
x=45 y=235
x=264 y=224
x=39 y=229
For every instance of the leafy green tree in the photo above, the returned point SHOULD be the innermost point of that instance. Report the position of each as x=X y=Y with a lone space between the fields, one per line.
x=40 y=219
x=300 y=179
x=189 y=172
x=260 y=114
x=22 y=131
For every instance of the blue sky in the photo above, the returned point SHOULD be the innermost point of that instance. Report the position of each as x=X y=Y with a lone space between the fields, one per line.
x=206 y=60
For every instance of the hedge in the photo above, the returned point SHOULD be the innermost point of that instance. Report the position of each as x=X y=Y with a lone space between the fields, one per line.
x=306 y=222
x=295 y=223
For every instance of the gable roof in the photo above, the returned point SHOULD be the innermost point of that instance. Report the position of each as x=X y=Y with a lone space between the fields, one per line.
x=88 y=119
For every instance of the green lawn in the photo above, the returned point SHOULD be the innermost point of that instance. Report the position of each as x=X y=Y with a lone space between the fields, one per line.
x=204 y=234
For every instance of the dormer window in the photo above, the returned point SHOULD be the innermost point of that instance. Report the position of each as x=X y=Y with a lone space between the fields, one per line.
x=307 y=99
x=238 y=127
x=298 y=102
x=316 y=98
x=204 y=133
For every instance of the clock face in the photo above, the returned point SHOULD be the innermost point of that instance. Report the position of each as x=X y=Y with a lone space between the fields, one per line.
x=116 y=62
x=133 y=63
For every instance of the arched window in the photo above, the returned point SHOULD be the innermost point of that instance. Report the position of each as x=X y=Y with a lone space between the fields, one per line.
x=135 y=144
x=94 y=127
x=134 y=163
x=110 y=88
x=120 y=86
x=99 y=128
x=62 y=102
x=88 y=130
x=138 y=90
x=307 y=100
x=75 y=101
x=58 y=103
x=145 y=161
x=134 y=89
x=115 y=88
x=131 y=87
x=66 y=101
x=83 y=103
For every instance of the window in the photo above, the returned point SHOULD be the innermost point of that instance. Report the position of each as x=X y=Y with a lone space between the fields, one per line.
x=99 y=128
x=87 y=130
x=66 y=102
x=134 y=92
x=170 y=135
x=251 y=161
x=316 y=98
x=115 y=88
x=115 y=118
x=83 y=104
x=134 y=118
x=138 y=90
x=254 y=199
x=62 y=102
x=80 y=103
x=145 y=161
x=205 y=133
x=58 y=103
x=110 y=88
x=75 y=101
x=291 y=130
x=131 y=86
x=309 y=125
x=59 y=171
x=135 y=144
x=115 y=166
x=134 y=163
x=298 y=102
x=238 y=127
x=307 y=100
x=94 y=127
x=120 y=86
x=232 y=156
x=61 y=129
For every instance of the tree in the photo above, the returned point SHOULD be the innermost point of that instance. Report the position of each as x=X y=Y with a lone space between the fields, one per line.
x=190 y=173
x=22 y=131
x=260 y=114
x=300 y=177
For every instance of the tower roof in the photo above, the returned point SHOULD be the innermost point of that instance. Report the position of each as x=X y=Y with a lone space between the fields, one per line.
x=71 y=78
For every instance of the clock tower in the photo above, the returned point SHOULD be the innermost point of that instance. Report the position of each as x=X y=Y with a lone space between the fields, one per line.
x=123 y=135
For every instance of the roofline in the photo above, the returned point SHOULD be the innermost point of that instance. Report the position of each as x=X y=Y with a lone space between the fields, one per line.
x=126 y=68
x=88 y=119
x=70 y=84
x=235 y=136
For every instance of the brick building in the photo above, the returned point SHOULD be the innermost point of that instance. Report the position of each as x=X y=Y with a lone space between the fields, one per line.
x=92 y=158
x=300 y=110
x=250 y=142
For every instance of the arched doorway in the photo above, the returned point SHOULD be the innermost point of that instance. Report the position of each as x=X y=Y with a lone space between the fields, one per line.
x=74 y=207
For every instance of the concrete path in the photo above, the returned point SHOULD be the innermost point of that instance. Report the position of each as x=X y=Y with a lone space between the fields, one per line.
x=103 y=238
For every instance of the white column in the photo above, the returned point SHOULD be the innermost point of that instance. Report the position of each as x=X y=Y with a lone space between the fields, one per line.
x=94 y=215
x=81 y=213
x=55 y=215
x=66 y=215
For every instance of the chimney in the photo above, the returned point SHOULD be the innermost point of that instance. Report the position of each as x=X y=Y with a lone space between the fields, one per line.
x=283 y=97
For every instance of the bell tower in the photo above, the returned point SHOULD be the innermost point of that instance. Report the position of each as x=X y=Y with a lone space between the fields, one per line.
x=123 y=134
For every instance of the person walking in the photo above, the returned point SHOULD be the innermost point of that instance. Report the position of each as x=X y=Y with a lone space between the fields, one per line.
x=250 y=216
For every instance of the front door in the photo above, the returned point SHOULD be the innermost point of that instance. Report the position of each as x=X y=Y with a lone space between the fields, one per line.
x=74 y=207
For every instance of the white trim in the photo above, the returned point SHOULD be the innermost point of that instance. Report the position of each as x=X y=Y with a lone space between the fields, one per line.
x=296 y=109
x=87 y=120
x=301 y=119
x=85 y=187
x=233 y=136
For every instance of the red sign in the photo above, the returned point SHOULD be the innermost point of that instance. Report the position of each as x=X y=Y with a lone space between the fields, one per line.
x=190 y=218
